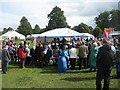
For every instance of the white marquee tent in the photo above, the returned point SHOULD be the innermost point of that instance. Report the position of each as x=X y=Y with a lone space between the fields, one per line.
x=10 y=34
x=115 y=33
x=87 y=35
x=62 y=32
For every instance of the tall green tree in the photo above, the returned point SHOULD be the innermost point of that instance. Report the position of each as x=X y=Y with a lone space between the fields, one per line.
x=115 y=19
x=97 y=32
x=102 y=20
x=56 y=19
x=24 y=27
x=117 y=28
x=4 y=30
x=82 y=28
x=37 y=30
x=7 y=29
x=91 y=29
x=109 y=19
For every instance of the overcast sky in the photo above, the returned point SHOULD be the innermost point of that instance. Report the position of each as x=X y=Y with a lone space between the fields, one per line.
x=36 y=11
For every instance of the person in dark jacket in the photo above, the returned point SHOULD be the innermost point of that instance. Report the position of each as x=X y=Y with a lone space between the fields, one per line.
x=39 y=55
x=5 y=59
x=32 y=53
x=83 y=54
x=49 y=54
x=11 y=51
x=104 y=62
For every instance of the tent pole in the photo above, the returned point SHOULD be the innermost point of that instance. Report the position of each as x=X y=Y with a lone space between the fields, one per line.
x=34 y=41
x=45 y=39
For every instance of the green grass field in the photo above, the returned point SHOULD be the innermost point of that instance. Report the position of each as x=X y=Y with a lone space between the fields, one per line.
x=48 y=77
x=31 y=43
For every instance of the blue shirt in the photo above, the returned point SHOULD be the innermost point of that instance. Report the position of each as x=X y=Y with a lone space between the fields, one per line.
x=64 y=53
x=113 y=49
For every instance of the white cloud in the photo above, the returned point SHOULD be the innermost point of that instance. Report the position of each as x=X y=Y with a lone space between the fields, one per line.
x=77 y=11
x=9 y=20
x=75 y=20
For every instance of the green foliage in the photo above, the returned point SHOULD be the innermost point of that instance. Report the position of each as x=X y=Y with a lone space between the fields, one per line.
x=82 y=28
x=30 y=41
x=43 y=30
x=48 y=77
x=97 y=32
x=7 y=29
x=91 y=29
x=56 y=19
x=0 y=32
x=109 y=19
x=102 y=20
x=24 y=27
x=117 y=28
x=4 y=30
x=37 y=30
x=115 y=19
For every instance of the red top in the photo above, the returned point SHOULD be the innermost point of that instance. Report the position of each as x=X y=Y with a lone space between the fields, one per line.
x=9 y=43
x=21 y=53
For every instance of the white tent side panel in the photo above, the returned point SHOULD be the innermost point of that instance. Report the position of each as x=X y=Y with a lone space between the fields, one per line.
x=10 y=34
x=62 y=32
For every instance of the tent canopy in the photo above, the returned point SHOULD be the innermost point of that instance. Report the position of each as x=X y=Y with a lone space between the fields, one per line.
x=87 y=35
x=13 y=34
x=115 y=33
x=60 y=33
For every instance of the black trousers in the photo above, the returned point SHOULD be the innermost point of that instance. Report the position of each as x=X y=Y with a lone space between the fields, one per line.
x=72 y=63
x=22 y=62
x=84 y=61
x=103 y=74
x=67 y=62
x=117 y=70
x=28 y=59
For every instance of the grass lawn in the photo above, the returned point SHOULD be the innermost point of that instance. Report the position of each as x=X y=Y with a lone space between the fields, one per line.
x=31 y=43
x=48 y=77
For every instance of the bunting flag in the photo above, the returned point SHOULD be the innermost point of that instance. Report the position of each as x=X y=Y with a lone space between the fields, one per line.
x=107 y=32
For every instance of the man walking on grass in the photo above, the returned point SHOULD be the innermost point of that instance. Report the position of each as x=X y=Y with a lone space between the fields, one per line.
x=104 y=62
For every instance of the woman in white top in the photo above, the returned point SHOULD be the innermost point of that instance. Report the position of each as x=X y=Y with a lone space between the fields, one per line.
x=73 y=56
x=28 y=57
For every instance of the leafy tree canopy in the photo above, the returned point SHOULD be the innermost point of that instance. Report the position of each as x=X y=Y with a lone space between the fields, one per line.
x=56 y=19
x=24 y=27
x=97 y=32
x=82 y=28
x=109 y=19
x=37 y=30
x=7 y=29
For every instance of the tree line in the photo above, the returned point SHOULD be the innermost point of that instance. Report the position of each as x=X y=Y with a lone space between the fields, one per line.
x=57 y=19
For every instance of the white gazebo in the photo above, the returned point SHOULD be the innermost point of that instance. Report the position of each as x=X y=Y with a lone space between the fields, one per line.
x=115 y=33
x=62 y=33
x=10 y=34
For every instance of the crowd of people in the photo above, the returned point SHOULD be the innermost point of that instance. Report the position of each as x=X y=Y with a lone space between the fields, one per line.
x=96 y=54
x=42 y=54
